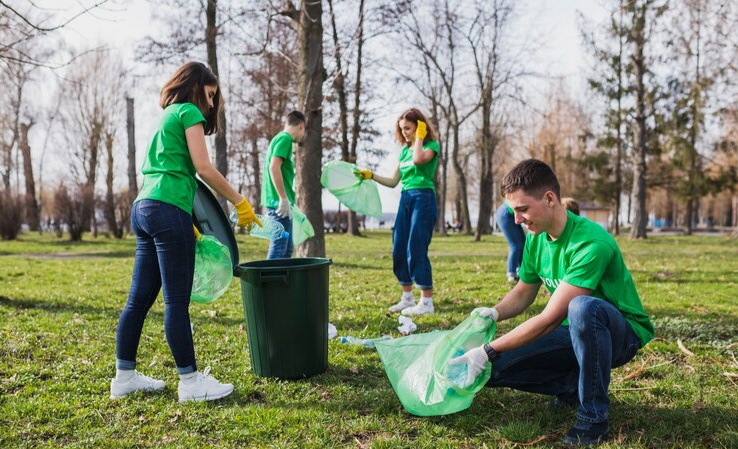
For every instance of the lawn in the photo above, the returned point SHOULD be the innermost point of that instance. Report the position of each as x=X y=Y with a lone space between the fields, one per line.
x=59 y=305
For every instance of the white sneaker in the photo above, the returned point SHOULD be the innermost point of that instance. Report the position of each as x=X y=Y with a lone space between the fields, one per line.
x=137 y=382
x=402 y=305
x=423 y=308
x=203 y=388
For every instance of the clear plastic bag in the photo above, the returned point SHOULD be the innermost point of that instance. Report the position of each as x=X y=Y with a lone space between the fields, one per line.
x=358 y=195
x=213 y=270
x=417 y=367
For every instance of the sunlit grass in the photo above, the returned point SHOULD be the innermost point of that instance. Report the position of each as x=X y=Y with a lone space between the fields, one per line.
x=59 y=305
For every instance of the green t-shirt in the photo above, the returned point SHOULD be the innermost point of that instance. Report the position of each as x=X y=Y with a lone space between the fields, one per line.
x=280 y=146
x=168 y=172
x=586 y=256
x=418 y=176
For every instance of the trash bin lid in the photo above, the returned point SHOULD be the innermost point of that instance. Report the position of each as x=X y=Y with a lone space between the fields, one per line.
x=211 y=220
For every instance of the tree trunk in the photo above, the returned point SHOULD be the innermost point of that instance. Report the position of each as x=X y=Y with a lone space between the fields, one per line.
x=221 y=143
x=32 y=212
x=640 y=219
x=88 y=190
x=256 y=168
x=353 y=222
x=462 y=198
x=487 y=147
x=109 y=192
x=131 y=128
x=311 y=75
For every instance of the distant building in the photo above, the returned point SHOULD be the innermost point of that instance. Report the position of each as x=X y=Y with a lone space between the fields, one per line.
x=599 y=214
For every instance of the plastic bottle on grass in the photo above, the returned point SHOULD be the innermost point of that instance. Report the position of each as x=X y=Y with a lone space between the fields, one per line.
x=365 y=342
x=457 y=373
x=270 y=228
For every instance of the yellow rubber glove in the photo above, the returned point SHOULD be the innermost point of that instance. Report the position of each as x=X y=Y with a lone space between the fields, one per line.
x=246 y=216
x=197 y=233
x=364 y=174
x=421 y=131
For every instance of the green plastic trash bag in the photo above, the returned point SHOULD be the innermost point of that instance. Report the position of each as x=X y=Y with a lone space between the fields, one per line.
x=213 y=270
x=417 y=367
x=358 y=195
x=302 y=229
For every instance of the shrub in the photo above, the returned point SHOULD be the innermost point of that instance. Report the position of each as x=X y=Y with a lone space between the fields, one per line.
x=11 y=215
x=70 y=210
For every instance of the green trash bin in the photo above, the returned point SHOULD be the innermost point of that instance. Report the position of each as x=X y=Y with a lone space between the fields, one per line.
x=285 y=302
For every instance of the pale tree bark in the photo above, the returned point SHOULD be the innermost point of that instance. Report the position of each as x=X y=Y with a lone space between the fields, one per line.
x=32 y=213
x=311 y=74
x=131 y=131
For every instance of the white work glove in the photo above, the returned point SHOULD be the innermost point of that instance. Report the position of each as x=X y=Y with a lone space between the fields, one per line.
x=476 y=361
x=487 y=312
x=284 y=210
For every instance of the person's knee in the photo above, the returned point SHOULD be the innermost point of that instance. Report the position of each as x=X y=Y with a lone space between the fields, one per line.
x=582 y=312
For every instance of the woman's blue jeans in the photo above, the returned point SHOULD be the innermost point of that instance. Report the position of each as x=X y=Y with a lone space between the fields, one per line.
x=165 y=258
x=515 y=239
x=416 y=218
x=573 y=361
x=280 y=248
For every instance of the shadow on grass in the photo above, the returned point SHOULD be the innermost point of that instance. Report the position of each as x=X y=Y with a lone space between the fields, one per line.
x=72 y=308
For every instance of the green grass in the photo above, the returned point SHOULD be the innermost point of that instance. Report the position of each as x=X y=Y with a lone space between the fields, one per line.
x=59 y=305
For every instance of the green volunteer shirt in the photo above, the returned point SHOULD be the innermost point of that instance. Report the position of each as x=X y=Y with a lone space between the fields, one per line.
x=418 y=176
x=280 y=146
x=168 y=172
x=586 y=256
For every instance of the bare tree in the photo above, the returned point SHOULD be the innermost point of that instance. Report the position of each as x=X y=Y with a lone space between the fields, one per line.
x=701 y=62
x=109 y=206
x=23 y=27
x=609 y=82
x=495 y=74
x=311 y=73
x=437 y=81
x=640 y=12
x=31 y=209
x=92 y=101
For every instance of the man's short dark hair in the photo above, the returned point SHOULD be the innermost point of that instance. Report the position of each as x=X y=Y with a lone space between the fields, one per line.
x=295 y=118
x=534 y=177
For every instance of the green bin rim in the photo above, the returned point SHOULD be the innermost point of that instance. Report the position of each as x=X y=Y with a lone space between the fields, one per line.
x=292 y=264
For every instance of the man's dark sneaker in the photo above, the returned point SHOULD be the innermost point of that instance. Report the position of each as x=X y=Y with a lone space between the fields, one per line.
x=585 y=434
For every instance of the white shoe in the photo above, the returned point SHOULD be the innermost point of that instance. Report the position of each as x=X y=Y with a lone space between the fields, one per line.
x=423 y=308
x=137 y=382
x=402 y=305
x=203 y=388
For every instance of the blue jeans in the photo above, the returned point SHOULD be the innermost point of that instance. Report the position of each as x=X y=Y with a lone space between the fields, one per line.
x=165 y=257
x=280 y=248
x=416 y=218
x=515 y=239
x=573 y=361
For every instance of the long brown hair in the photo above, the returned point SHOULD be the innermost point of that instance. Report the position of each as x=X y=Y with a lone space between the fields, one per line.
x=413 y=115
x=187 y=85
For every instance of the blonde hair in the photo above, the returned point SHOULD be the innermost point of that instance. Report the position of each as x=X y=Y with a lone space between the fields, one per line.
x=571 y=204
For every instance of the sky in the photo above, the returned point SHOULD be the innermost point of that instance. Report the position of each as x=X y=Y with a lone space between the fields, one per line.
x=120 y=23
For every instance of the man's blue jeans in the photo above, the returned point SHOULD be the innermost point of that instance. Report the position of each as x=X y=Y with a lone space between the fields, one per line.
x=280 y=248
x=515 y=239
x=416 y=218
x=574 y=360
x=165 y=258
